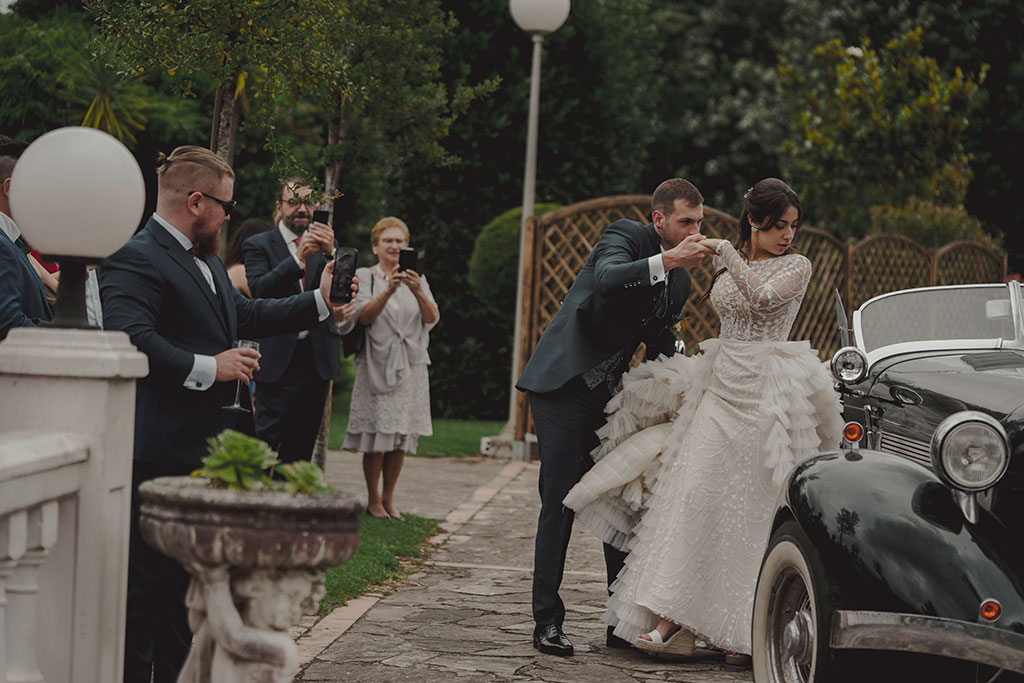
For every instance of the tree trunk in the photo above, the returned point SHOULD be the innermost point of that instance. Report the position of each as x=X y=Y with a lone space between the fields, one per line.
x=332 y=174
x=222 y=136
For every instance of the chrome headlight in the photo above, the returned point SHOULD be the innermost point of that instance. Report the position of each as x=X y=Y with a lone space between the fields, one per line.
x=849 y=365
x=970 y=451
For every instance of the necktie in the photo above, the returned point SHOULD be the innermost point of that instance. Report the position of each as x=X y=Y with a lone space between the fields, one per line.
x=302 y=281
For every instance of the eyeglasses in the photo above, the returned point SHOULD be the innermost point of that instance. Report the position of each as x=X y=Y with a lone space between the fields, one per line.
x=295 y=200
x=228 y=206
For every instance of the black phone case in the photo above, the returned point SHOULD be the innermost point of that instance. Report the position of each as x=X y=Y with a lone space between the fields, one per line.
x=344 y=271
x=407 y=259
x=321 y=216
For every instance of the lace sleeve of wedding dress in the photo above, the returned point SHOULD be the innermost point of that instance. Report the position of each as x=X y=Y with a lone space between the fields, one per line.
x=783 y=284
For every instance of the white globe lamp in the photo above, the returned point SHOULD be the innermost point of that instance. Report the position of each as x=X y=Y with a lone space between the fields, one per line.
x=539 y=16
x=77 y=194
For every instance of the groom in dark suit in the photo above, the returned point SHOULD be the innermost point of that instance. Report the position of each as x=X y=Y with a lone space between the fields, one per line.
x=630 y=290
x=167 y=289
x=296 y=369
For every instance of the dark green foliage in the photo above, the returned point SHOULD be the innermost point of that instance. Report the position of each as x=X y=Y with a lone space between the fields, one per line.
x=596 y=123
x=930 y=224
x=876 y=127
x=494 y=264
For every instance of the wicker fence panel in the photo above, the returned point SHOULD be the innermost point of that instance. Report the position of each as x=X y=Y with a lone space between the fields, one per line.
x=816 y=320
x=961 y=263
x=886 y=263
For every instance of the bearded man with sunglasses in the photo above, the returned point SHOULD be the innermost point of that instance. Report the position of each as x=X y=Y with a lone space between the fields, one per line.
x=170 y=293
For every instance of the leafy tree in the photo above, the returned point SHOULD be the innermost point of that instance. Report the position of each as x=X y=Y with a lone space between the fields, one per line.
x=287 y=42
x=391 y=105
x=717 y=122
x=596 y=124
x=876 y=128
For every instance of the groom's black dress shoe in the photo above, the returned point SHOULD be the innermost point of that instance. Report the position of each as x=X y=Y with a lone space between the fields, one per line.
x=550 y=640
x=615 y=642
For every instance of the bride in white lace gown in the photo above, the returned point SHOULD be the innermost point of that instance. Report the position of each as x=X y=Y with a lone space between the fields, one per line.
x=696 y=448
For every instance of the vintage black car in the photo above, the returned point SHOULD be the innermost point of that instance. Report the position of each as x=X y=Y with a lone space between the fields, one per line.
x=903 y=552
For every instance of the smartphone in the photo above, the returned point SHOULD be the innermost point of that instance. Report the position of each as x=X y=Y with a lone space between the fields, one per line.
x=407 y=259
x=321 y=216
x=344 y=271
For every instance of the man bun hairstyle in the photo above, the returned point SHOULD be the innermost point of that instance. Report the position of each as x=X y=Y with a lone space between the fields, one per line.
x=189 y=168
x=666 y=194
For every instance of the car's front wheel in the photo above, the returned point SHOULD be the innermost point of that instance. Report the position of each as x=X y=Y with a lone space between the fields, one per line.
x=792 y=612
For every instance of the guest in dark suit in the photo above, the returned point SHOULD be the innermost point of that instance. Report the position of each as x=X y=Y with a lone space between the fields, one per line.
x=296 y=369
x=630 y=290
x=171 y=294
x=22 y=298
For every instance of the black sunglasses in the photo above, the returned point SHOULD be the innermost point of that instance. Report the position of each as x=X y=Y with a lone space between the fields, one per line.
x=227 y=206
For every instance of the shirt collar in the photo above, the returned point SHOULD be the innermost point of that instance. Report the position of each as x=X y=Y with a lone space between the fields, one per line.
x=287 y=235
x=179 y=236
x=9 y=227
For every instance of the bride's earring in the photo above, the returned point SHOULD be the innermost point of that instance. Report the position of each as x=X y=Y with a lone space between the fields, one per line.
x=753 y=227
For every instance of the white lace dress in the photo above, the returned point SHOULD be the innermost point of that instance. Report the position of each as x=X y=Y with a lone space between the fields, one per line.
x=695 y=451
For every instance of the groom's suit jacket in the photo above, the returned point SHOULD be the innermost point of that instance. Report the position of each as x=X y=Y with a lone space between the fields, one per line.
x=272 y=273
x=611 y=306
x=153 y=290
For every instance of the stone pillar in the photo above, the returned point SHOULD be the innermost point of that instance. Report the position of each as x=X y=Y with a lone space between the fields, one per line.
x=80 y=381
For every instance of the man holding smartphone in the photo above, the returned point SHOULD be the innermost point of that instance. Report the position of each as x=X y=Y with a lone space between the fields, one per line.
x=296 y=369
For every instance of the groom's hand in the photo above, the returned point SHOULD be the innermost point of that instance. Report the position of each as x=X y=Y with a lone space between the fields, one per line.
x=687 y=254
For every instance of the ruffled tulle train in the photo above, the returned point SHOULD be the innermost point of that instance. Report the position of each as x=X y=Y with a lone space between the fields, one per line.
x=691 y=460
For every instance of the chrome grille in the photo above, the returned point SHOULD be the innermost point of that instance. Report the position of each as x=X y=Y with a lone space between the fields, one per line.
x=918 y=451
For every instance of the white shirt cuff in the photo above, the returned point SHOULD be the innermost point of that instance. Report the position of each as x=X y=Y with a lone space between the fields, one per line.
x=203 y=375
x=656 y=267
x=321 y=306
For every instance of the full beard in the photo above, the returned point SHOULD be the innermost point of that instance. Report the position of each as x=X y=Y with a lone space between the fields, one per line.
x=208 y=244
x=297 y=230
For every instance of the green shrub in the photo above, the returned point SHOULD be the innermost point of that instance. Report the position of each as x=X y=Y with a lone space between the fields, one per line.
x=929 y=224
x=494 y=264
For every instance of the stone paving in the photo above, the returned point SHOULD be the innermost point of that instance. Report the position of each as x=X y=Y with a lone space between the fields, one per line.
x=466 y=615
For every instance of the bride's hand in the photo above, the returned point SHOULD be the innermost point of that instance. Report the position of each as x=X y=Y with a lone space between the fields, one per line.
x=712 y=243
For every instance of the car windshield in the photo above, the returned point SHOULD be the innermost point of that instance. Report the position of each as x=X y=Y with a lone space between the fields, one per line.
x=918 y=315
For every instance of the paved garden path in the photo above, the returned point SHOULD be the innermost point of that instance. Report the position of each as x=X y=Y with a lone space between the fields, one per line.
x=465 y=616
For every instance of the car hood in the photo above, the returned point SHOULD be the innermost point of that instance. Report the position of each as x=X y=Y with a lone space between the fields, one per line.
x=990 y=381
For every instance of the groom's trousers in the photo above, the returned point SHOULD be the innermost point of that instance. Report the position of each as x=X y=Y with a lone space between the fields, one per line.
x=566 y=421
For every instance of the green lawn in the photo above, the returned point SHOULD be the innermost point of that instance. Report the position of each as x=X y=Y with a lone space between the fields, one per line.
x=388 y=550
x=451 y=437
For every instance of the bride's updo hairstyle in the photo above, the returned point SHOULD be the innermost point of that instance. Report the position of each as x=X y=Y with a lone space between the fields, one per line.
x=769 y=198
x=765 y=203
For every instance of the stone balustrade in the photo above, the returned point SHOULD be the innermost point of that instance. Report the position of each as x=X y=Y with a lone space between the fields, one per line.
x=66 y=433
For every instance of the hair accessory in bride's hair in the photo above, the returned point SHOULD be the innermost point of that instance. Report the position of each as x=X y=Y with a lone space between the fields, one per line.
x=746 y=195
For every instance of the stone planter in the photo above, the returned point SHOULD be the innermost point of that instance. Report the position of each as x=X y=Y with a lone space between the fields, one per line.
x=256 y=560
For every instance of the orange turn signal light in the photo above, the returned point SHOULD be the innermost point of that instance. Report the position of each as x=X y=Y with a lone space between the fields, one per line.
x=853 y=432
x=990 y=610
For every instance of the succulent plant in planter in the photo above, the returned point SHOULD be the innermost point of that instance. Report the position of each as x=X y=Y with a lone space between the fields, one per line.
x=255 y=536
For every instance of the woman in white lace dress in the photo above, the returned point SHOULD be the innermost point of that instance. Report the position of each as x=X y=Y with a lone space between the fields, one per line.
x=696 y=448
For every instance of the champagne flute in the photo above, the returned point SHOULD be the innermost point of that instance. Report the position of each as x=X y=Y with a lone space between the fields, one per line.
x=237 y=406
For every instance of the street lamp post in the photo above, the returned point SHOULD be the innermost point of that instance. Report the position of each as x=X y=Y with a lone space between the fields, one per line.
x=538 y=18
